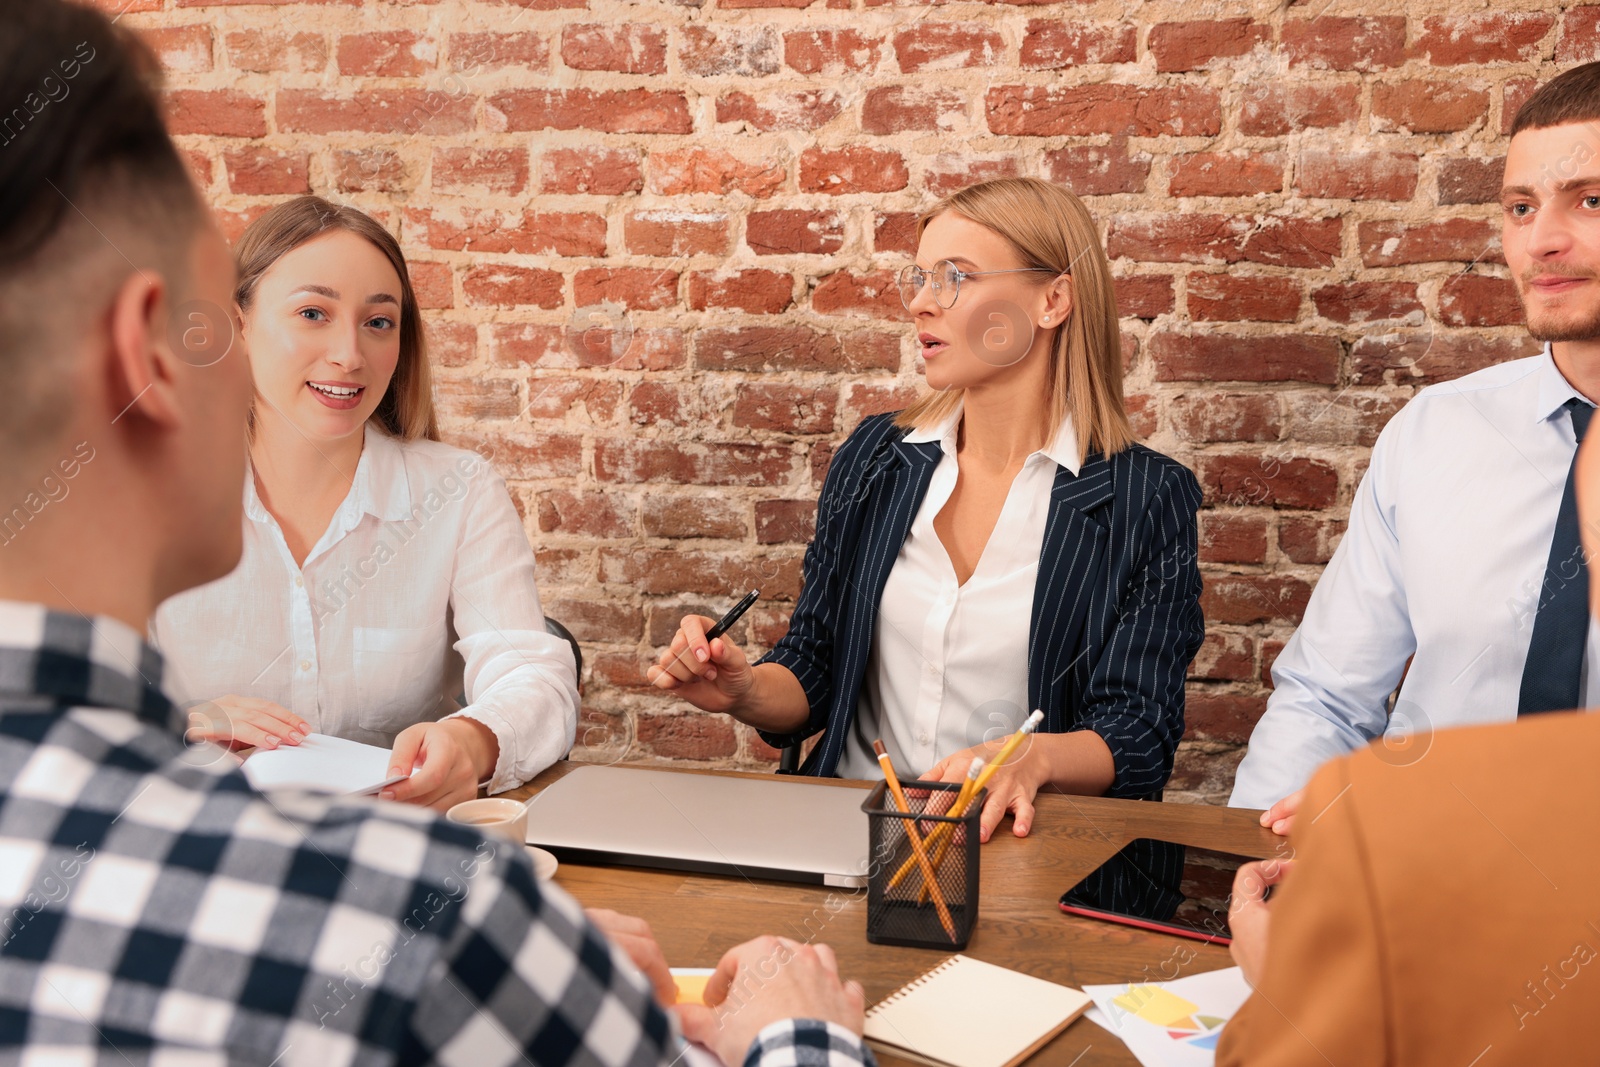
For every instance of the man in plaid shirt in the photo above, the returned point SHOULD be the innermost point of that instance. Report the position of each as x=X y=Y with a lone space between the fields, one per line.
x=153 y=909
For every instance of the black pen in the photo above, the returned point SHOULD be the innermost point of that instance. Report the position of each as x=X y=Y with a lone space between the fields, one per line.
x=725 y=623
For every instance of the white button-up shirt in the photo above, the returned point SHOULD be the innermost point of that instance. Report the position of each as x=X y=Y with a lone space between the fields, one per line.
x=421 y=588
x=949 y=661
x=1444 y=557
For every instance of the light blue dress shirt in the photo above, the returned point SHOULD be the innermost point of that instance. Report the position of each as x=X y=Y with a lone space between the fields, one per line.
x=1445 y=553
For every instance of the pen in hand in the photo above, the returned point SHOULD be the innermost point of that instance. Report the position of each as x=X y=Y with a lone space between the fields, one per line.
x=720 y=627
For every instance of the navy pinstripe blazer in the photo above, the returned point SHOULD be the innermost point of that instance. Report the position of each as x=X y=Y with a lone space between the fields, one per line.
x=1116 y=607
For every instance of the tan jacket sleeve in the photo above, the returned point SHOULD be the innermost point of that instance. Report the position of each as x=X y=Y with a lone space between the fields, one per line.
x=1322 y=997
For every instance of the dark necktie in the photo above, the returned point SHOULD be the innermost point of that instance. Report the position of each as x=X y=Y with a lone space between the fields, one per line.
x=1561 y=623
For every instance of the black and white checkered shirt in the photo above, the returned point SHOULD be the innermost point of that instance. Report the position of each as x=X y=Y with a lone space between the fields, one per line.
x=155 y=910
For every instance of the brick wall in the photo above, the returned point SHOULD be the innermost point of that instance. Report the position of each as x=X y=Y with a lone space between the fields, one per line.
x=655 y=242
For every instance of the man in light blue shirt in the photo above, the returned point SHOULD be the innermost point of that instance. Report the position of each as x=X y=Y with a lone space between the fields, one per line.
x=1461 y=554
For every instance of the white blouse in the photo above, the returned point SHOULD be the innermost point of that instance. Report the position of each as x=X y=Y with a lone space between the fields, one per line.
x=421 y=588
x=949 y=662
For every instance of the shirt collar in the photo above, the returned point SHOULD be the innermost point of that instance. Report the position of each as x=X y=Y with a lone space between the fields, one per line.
x=81 y=662
x=1554 y=389
x=380 y=487
x=1063 y=450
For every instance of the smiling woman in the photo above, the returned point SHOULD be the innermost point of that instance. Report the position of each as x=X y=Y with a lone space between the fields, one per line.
x=346 y=468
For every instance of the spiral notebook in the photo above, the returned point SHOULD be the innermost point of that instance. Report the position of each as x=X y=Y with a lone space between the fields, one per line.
x=967 y=1013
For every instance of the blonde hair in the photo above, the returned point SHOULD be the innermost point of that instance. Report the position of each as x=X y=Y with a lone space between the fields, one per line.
x=406 y=410
x=1049 y=227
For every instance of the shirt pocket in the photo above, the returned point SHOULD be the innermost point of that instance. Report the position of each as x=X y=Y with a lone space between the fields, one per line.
x=398 y=670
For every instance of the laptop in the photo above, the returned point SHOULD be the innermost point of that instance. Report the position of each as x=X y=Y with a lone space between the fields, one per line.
x=774 y=828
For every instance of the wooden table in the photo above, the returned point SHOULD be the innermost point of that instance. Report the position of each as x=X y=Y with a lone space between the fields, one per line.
x=697 y=918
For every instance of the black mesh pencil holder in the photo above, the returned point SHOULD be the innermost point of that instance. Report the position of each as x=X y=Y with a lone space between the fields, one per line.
x=900 y=910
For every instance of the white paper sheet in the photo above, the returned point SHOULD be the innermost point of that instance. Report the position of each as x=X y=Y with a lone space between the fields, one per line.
x=322 y=764
x=1170 y=1024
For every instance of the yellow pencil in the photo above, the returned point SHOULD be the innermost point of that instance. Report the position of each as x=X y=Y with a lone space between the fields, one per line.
x=945 y=830
x=916 y=839
x=968 y=784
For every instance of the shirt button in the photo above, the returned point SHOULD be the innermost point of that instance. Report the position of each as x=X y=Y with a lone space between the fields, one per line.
x=923 y=737
x=299 y=581
x=305 y=665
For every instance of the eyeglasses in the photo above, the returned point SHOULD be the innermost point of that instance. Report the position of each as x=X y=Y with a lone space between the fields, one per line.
x=946 y=279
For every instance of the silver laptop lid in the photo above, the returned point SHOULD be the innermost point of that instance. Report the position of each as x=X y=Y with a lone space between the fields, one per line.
x=774 y=827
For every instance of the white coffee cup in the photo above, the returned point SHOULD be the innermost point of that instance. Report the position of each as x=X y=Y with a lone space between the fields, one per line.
x=493 y=815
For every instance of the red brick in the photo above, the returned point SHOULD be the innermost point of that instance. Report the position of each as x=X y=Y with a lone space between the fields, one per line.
x=1228 y=657
x=1272 y=110
x=392 y=54
x=675 y=233
x=553 y=233
x=377 y=170
x=681 y=516
x=804 y=110
x=1580 y=43
x=897 y=108
x=1238 y=297
x=1215 y=357
x=606 y=110
x=1514 y=92
x=785 y=521
x=1048 y=44
x=895 y=231
x=591 y=400
x=831 y=52
x=1345 y=43
x=406 y=111
x=274 y=53
x=796 y=348
x=452 y=344
x=1427 y=106
x=874 y=295
x=656 y=403
x=534 y=456
x=1479 y=300
x=1144 y=296
x=592 y=621
x=851 y=170
x=1050 y=111
x=674 y=571
x=760 y=292
x=638 y=288
x=951 y=172
x=1489 y=37
x=676 y=172
x=1228 y=717
x=218 y=112
x=477 y=399
x=265 y=171
x=636 y=460
x=1348 y=417
x=480 y=171
x=1243 y=599
x=556 y=346
x=1464 y=180
x=507 y=286
x=934 y=45
x=695 y=735
x=1246 y=173
x=1431 y=357
x=1304 y=539
x=1356 y=303
x=1205 y=418
x=772 y=233
x=1232 y=538
x=1386 y=243
x=594 y=170
x=472 y=53
x=742 y=51
x=199 y=165
x=1179 y=46
x=629 y=48
x=1273 y=240
x=1098 y=170
x=1356 y=175
x=1269 y=652
x=433 y=284
x=181 y=49
x=795 y=409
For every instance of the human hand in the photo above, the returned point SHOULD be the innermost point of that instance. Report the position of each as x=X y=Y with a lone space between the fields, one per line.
x=1011 y=788
x=445 y=760
x=245 y=722
x=765 y=981
x=712 y=675
x=1280 y=817
x=635 y=937
x=1250 y=915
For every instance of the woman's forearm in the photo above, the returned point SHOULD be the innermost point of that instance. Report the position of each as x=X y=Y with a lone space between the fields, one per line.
x=1077 y=762
x=776 y=701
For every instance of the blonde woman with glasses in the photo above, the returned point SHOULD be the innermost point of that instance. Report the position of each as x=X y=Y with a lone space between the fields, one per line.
x=1003 y=544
